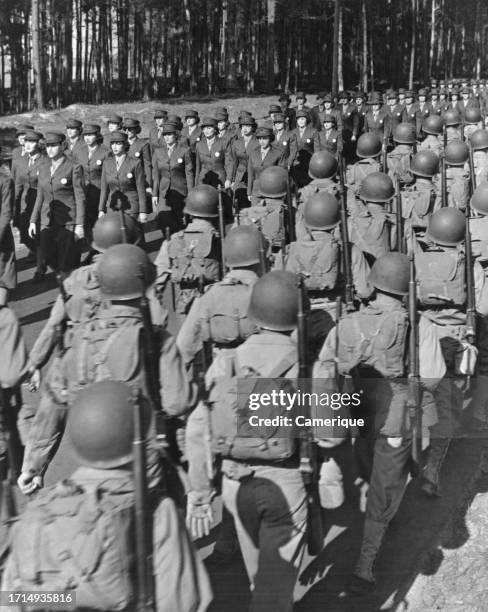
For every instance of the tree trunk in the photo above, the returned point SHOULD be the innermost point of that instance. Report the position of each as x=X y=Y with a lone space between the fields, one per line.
x=340 y=76
x=36 y=51
x=412 y=44
x=335 y=45
x=364 y=78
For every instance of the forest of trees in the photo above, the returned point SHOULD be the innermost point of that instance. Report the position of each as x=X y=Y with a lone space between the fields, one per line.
x=55 y=52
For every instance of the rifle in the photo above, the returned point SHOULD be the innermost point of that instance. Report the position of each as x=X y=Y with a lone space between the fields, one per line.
x=206 y=353
x=399 y=218
x=384 y=164
x=308 y=448
x=336 y=341
x=414 y=391
x=221 y=232
x=289 y=204
x=444 y=201
x=61 y=327
x=235 y=208
x=167 y=236
x=123 y=227
x=145 y=587
x=471 y=303
x=346 y=247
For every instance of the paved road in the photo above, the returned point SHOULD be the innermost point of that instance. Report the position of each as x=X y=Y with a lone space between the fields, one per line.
x=411 y=540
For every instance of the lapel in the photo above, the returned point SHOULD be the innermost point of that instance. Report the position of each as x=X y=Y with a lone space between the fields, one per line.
x=125 y=166
x=61 y=169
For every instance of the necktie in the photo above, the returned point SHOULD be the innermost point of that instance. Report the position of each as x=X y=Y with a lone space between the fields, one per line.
x=118 y=162
x=31 y=161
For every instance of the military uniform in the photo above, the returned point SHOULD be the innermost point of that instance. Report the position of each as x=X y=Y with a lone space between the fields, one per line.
x=139 y=149
x=123 y=186
x=398 y=162
x=376 y=122
x=273 y=156
x=328 y=140
x=431 y=143
x=239 y=153
x=354 y=175
x=91 y=160
x=305 y=141
x=74 y=146
x=213 y=163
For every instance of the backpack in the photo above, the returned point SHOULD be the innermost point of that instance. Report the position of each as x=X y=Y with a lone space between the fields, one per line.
x=226 y=320
x=417 y=204
x=457 y=190
x=192 y=256
x=441 y=278
x=399 y=167
x=69 y=537
x=370 y=233
x=376 y=339
x=319 y=259
x=269 y=218
x=229 y=412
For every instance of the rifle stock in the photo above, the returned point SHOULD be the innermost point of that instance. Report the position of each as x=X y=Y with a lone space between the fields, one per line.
x=414 y=392
x=221 y=233
x=346 y=246
x=289 y=205
x=470 y=290
x=398 y=216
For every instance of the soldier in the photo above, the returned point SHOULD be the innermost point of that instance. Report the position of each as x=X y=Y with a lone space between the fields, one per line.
x=432 y=127
x=456 y=155
x=139 y=148
x=8 y=273
x=401 y=96
x=361 y=109
x=74 y=143
x=441 y=279
x=398 y=160
x=368 y=150
x=453 y=99
x=350 y=124
x=239 y=153
x=284 y=139
x=443 y=105
x=420 y=199
x=301 y=100
x=395 y=112
x=410 y=112
x=304 y=135
x=452 y=121
x=317 y=112
x=122 y=185
x=466 y=101
x=479 y=144
x=225 y=134
x=20 y=132
x=173 y=178
x=156 y=132
x=192 y=131
x=213 y=162
x=435 y=102
x=376 y=119
x=25 y=170
x=261 y=157
x=101 y=494
x=265 y=494
x=275 y=109
x=329 y=138
x=372 y=345
x=472 y=121
x=114 y=124
x=331 y=109
x=191 y=258
x=289 y=113
x=423 y=109
x=99 y=353
x=59 y=211
x=91 y=158
x=372 y=229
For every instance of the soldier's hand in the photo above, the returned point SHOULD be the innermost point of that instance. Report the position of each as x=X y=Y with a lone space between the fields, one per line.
x=149 y=190
x=154 y=200
x=35 y=380
x=353 y=138
x=28 y=483
x=32 y=230
x=199 y=519
x=394 y=442
x=100 y=214
x=79 y=232
x=142 y=217
x=227 y=184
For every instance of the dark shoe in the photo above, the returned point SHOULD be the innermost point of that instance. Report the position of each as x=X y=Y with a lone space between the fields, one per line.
x=430 y=489
x=357 y=586
x=38 y=277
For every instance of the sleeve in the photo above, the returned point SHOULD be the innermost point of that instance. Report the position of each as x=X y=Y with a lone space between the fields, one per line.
x=229 y=162
x=360 y=273
x=79 y=194
x=36 y=211
x=189 y=339
x=102 y=205
x=189 y=170
x=292 y=150
x=155 y=177
x=339 y=122
x=163 y=267
x=481 y=289
x=7 y=205
x=197 y=166
x=317 y=145
x=355 y=124
x=13 y=366
x=324 y=367
x=178 y=394
x=46 y=341
x=147 y=161
x=19 y=189
x=250 y=175
x=140 y=186
x=199 y=455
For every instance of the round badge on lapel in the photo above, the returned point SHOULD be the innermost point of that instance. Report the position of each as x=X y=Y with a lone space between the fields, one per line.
x=308 y=141
x=180 y=160
x=285 y=143
x=381 y=121
x=99 y=162
x=129 y=175
x=217 y=154
x=334 y=140
x=137 y=154
x=63 y=181
x=197 y=139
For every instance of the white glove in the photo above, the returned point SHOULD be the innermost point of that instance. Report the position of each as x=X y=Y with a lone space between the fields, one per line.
x=155 y=200
x=227 y=184
x=79 y=231
x=142 y=218
x=394 y=442
x=32 y=230
x=149 y=190
x=199 y=519
x=28 y=483
x=100 y=214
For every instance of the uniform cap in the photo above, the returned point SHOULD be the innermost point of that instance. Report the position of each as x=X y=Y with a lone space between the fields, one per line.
x=343 y=95
x=125 y=272
x=368 y=145
x=423 y=92
x=328 y=98
x=391 y=273
x=33 y=136
x=129 y=123
x=273 y=182
x=221 y=117
x=279 y=118
x=108 y=231
x=391 y=95
x=465 y=90
x=301 y=96
x=208 y=122
x=23 y=128
x=375 y=98
x=170 y=127
x=114 y=118
x=409 y=93
x=447 y=227
x=321 y=211
x=117 y=137
x=322 y=165
x=91 y=128
x=160 y=113
x=192 y=113
x=74 y=124
x=243 y=246
x=265 y=132
x=54 y=138
x=247 y=120
x=376 y=187
x=284 y=96
x=202 y=201
x=329 y=119
x=302 y=113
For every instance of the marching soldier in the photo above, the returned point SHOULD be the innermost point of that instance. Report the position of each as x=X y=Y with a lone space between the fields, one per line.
x=74 y=141
x=304 y=135
x=191 y=258
x=156 y=132
x=173 y=178
x=329 y=138
x=261 y=157
x=108 y=347
x=479 y=144
x=398 y=160
x=284 y=107
x=368 y=150
x=122 y=184
x=376 y=119
x=192 y=131
x=139 y=148
x=432 y=127
x=456 y=155
x=284 y=139
x=239 y=153
x=452 y=121
x=472 y=121
x=59 y=211
x=213 y=162
x=25 y=170
x=20 y=132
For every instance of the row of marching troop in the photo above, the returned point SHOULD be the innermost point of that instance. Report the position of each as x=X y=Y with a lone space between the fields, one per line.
x=297 y=262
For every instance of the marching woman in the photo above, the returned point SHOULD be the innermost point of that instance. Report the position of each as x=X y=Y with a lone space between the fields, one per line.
x=263 y=156
x=8 y=275
x=239 y=150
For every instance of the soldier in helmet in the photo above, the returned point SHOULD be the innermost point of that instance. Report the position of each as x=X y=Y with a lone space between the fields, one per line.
x=452 y=121
x=472 y=121
x=191 y=258
x=398 y=160
x=304 y=135
x=96 y=503
x=261 y=157
x=441 y=278
x=456 y=156
x=479 y=145
x=368 y=150
x=264 y=491
x=108 y=347
x=373 y=229
x=421 y=198
x=432 y=127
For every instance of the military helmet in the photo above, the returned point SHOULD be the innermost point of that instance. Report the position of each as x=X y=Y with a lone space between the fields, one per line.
x=447 y=226
x=274 y=301
x=125 y=272
x=479 y=140
x=101 y=424
x=376 y=187
x=368 y=145
x=321 y=211
x=472 y=115
x=202 y=201
x=433 y=124
x=456 y=153
x=108 y=231
x=424 y=163
x=273 y=182
x=391 y=273
x=244 y=246
x=452 y=117
x=322 y=165
x=479 y=199
x=404 y=133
